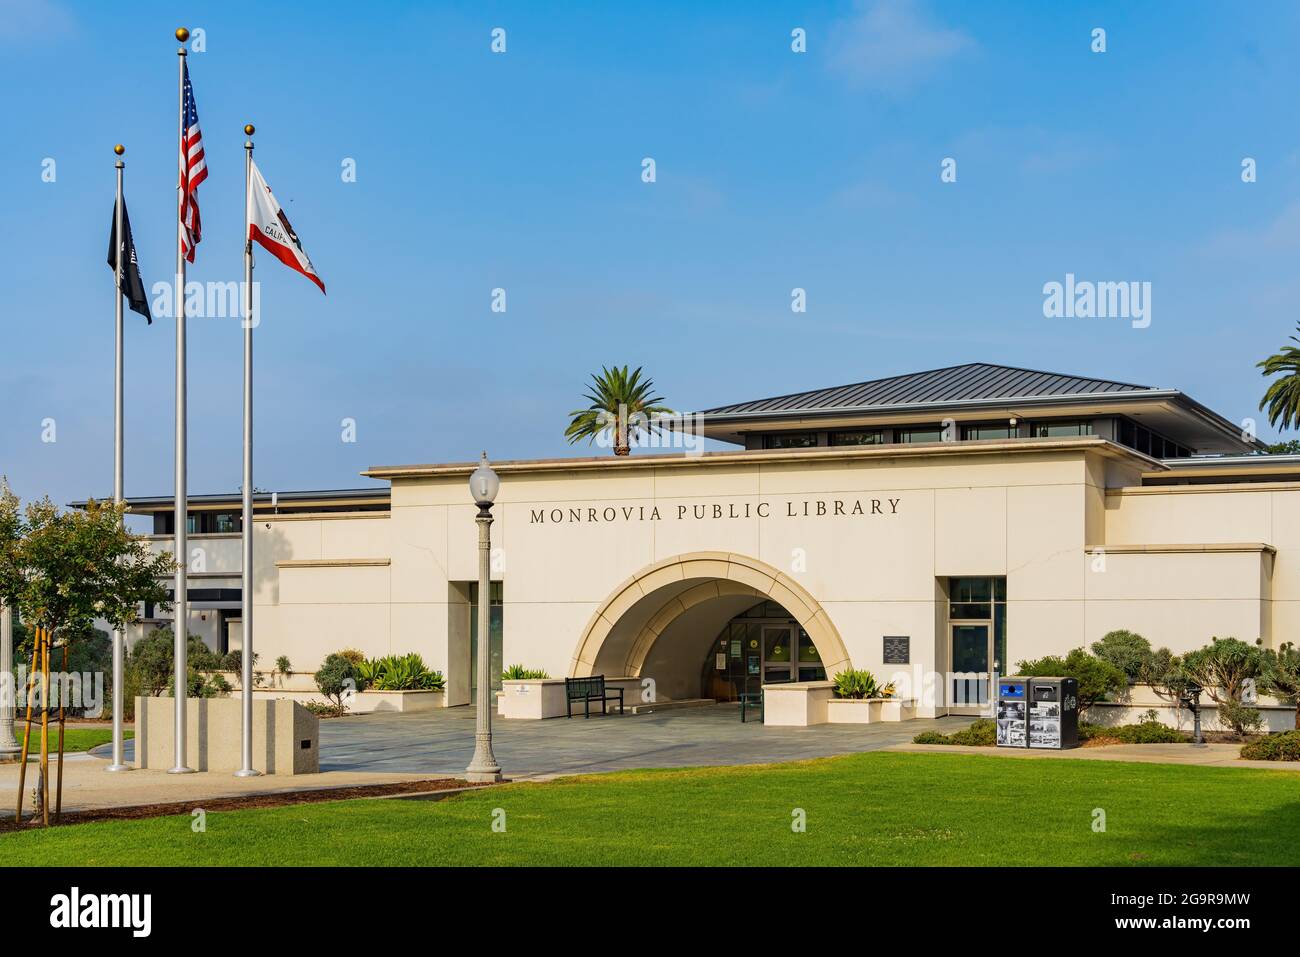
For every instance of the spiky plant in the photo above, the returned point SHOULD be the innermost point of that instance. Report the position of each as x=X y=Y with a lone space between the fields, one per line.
x=1283 y=395
x=622 y=405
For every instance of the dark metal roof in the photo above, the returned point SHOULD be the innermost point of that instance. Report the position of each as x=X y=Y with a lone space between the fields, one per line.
x=964 y=383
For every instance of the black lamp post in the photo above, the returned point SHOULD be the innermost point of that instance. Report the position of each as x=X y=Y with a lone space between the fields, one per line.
x=1191 y=700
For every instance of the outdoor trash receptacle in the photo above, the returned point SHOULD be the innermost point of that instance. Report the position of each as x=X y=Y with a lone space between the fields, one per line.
x=1053 y=712
x=1012 y=713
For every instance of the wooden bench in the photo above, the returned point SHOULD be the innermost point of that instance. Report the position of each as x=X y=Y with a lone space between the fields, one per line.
x=588 y=690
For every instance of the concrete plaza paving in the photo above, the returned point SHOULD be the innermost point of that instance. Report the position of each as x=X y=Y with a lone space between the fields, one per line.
x=442 y=742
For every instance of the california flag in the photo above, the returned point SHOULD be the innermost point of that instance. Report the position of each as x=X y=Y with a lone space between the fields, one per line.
x=268 y=225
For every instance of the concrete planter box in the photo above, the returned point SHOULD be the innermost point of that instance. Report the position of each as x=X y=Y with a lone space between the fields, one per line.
x=797 y=704
x=853 y=710
x=537 y=698
x=898 y=709
x=870 y=710
x=286 y=736
x=403 y=702
x=803 y=703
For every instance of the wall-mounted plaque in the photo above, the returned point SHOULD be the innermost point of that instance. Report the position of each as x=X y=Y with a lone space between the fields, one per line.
x=897 y=649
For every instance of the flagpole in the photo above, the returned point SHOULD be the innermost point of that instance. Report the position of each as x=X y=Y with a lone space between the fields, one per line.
x=119 y=639
x=180 y=550
x=246 y=769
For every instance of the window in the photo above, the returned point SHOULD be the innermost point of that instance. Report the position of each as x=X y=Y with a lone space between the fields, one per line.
x=985 y=600
x=974 y=598
x=225 y=522
x=985 y=431
x=1052 y=430
x=920 y=435
x=1150 y=443
x=873 y=437
x=790 y=440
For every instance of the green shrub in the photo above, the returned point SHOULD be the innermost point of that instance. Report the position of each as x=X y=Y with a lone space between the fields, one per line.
x=150 y=664
x=282 y=665
x=1274 y=747
x=981 y=734
x=1242 y=719
x=855 y=683
x=1126 y=650
x=1223 y=666
x=337 y=677
x=234 y=661
x=1281 y=675
x=520 y=673
x=1144 y=732
x=1097 y=678
x=931 y=737
x=151 y=661
x=322 y=710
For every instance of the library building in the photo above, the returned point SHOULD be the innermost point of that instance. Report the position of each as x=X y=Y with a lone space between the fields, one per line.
x=933 y=528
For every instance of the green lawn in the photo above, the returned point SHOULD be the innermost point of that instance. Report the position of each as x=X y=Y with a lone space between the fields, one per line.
x=74 y=739
x=869 y=809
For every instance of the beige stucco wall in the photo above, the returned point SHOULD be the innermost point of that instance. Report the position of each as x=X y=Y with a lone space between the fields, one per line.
x=1231 y=587
x=1042 y=518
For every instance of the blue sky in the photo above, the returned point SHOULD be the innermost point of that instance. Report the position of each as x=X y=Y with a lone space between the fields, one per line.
x=522 y=170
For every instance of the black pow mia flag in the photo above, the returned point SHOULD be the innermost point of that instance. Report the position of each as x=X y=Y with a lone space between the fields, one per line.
x=132 y=286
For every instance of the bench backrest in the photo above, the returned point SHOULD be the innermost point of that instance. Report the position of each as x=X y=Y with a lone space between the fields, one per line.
x=576 y=688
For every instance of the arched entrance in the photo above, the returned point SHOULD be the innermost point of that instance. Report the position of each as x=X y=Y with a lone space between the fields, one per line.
x=665 y=619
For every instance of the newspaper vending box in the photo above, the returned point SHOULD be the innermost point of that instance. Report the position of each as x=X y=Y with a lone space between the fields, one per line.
x=1012 y=713
x=1053 y=712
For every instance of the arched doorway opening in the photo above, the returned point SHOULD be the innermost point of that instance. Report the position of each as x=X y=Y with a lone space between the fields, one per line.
x=667 y=622
x=762 y=645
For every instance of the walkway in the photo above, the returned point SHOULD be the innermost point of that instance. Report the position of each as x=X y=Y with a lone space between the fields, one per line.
x=442 y=742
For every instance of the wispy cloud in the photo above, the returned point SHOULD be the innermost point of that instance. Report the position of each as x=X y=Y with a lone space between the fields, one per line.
x=1281 y=234
x=892 y=44
x=28 y=20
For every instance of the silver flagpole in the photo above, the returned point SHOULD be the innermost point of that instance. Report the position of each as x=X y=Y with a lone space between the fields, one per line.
x=8 y=682
x=246 y=769
x=180 y=550
x=119 y=639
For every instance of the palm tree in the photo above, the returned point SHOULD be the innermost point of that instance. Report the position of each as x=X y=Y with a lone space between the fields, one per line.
x=621 y=404
x=1283 y=395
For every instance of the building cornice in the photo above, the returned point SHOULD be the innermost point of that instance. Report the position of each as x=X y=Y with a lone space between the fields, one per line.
x=334 y=563
x=1207 y=488
x=1180 y=549
x=614 y=463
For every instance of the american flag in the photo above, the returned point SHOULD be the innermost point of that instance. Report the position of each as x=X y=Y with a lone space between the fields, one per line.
x=194 y=170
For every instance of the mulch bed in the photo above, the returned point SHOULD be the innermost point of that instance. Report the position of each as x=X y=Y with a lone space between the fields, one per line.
x=246 y=801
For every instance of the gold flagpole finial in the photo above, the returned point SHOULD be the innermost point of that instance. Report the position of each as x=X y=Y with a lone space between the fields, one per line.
x=249 y=129
x=182 y=34
x=119 y=149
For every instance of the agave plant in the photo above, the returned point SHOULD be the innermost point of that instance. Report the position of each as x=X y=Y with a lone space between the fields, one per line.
x=520 y=673
x=854 y=683
x=399 y=673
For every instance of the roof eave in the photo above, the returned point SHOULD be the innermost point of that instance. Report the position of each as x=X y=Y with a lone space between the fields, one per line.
x=1211 y=418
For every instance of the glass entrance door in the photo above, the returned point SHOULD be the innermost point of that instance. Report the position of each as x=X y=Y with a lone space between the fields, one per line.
x=972 y=653
x=778 y=653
